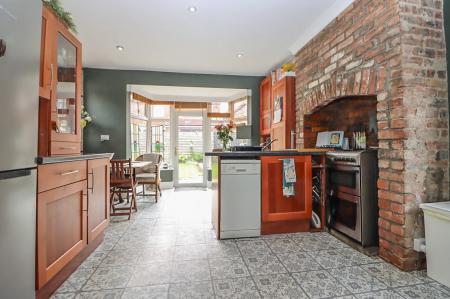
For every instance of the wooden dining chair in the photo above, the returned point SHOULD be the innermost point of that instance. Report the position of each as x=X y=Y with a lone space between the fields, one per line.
x=122 y=182
x=150 y=174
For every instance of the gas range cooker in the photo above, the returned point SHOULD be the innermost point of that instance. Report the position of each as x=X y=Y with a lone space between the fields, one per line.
x=348 y=157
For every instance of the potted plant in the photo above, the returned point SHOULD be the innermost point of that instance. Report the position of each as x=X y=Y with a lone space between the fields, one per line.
x=224 y=134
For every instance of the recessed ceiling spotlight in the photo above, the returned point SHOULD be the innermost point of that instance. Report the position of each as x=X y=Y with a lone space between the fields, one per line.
x=120 y=48
x=192 y=9
x=240 y=55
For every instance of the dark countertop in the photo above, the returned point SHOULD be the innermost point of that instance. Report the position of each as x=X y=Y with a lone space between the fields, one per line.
x=60 y=159
x=300 y=152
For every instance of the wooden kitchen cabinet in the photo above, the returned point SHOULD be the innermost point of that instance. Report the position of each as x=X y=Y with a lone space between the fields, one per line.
x=98 y=197
x=60 y=88
x=283 y=92
x=265 y=95
x=285 y=214
x=61 y=228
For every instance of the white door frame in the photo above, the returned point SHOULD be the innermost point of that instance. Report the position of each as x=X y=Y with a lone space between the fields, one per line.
x=174 y=145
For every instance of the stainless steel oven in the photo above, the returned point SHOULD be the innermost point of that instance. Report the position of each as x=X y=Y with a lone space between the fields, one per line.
x=352 y=200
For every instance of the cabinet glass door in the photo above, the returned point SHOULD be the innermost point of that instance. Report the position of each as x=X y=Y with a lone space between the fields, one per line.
x=66 y=87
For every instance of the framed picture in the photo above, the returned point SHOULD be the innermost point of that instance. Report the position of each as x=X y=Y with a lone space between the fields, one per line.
x=277 y=109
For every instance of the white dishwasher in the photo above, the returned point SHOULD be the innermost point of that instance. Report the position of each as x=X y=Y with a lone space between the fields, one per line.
x=240 y=198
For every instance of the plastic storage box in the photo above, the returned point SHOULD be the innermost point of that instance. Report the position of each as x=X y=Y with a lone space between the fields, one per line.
x=437 y=238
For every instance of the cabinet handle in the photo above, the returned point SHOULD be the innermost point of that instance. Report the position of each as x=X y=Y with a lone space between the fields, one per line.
x=69 y=172
x=51 y=76
x=93 y=184
x=67 y=147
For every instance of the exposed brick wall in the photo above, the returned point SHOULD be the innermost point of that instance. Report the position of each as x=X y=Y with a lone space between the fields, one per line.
x=346 y=114
x=394 y=50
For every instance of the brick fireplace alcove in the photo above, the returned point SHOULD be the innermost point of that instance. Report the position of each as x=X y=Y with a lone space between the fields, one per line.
x=394 y=52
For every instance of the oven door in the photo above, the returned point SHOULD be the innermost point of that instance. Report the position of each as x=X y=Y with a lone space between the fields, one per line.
x=346 y=214
x=345 y=178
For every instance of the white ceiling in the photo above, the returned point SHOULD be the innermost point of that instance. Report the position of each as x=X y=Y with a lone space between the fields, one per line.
x=189 y=94
x=163 y=35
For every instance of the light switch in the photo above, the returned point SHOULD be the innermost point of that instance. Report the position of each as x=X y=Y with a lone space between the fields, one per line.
x=104 y=137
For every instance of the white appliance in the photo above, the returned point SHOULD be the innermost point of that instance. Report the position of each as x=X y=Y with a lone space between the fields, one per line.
x=437 y=227
x=240 y=198
x=20 y=45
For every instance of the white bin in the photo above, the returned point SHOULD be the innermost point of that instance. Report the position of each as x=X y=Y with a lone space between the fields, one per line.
x=437 y=236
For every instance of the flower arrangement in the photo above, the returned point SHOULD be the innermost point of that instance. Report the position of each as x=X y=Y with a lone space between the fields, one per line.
x=65 y=16
x=85 y=118
x=224 y=133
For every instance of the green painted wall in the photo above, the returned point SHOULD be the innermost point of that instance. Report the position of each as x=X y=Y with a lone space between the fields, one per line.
x=447 y=39
x=105 y=97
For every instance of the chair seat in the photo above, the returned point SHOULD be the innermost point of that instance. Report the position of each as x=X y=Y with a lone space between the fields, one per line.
x=147 y=177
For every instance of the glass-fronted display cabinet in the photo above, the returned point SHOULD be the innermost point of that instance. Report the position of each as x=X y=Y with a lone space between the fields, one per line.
x=60 y=89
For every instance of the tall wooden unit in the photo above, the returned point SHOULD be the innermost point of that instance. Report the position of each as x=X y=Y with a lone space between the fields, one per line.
x=284 y=92
x=282 y=214
x=265 y=95
x=59 y=89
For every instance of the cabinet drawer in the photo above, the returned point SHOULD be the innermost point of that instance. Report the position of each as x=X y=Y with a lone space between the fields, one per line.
x=59 y=174
x=65 y=148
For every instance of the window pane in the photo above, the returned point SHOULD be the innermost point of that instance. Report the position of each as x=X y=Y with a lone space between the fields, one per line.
x=138 y=137
x=219 y=107
x=160 y=111
x=240 y=111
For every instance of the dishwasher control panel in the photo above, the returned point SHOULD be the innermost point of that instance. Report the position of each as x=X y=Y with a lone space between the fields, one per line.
x=240 y=167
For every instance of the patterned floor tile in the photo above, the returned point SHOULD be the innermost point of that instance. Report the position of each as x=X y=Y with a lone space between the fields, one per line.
x=280 y=245
x=330 y=259
x=357 y=280
x=150 y=292
x=194 y=290
x=253 y=247
x=357 y=257
x=70 y=295
x=264 y=264
x=94 y=260
x=237 y=288
x=192 y=270
x=312 y=243
x=151 y=274
x=222 y=249
x=163 y=253
x=102 y=294
x=233 y=267
x=278 y=286
x=121 y=257
x=424 y=291
x=298 y=261
x=383 y=294
x=390 y=275
x=108 y=278
x=190 y=252
x=320 y=284
x=79 y=277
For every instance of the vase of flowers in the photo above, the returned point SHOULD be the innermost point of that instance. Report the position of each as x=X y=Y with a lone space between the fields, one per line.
x=224 y=134
x=85 y=118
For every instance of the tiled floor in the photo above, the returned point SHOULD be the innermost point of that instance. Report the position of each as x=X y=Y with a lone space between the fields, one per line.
x=168 y=250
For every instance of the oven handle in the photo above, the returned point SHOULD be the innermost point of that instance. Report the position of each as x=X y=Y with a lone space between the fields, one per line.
x=347 y=197
x=346 y=168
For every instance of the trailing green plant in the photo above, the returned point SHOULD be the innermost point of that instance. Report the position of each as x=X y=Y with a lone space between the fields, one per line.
x=66 y=17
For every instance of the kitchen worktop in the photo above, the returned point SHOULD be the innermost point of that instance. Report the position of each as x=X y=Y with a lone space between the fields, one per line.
x=299 y=152
x=60 y=159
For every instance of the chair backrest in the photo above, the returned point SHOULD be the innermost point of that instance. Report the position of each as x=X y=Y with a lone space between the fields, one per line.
x=120 y=172
x=155 y=158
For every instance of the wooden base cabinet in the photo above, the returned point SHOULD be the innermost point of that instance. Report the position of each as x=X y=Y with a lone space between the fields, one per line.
x=61 y=228
x=282 y=214
x=98 y=197
x=72 y=213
